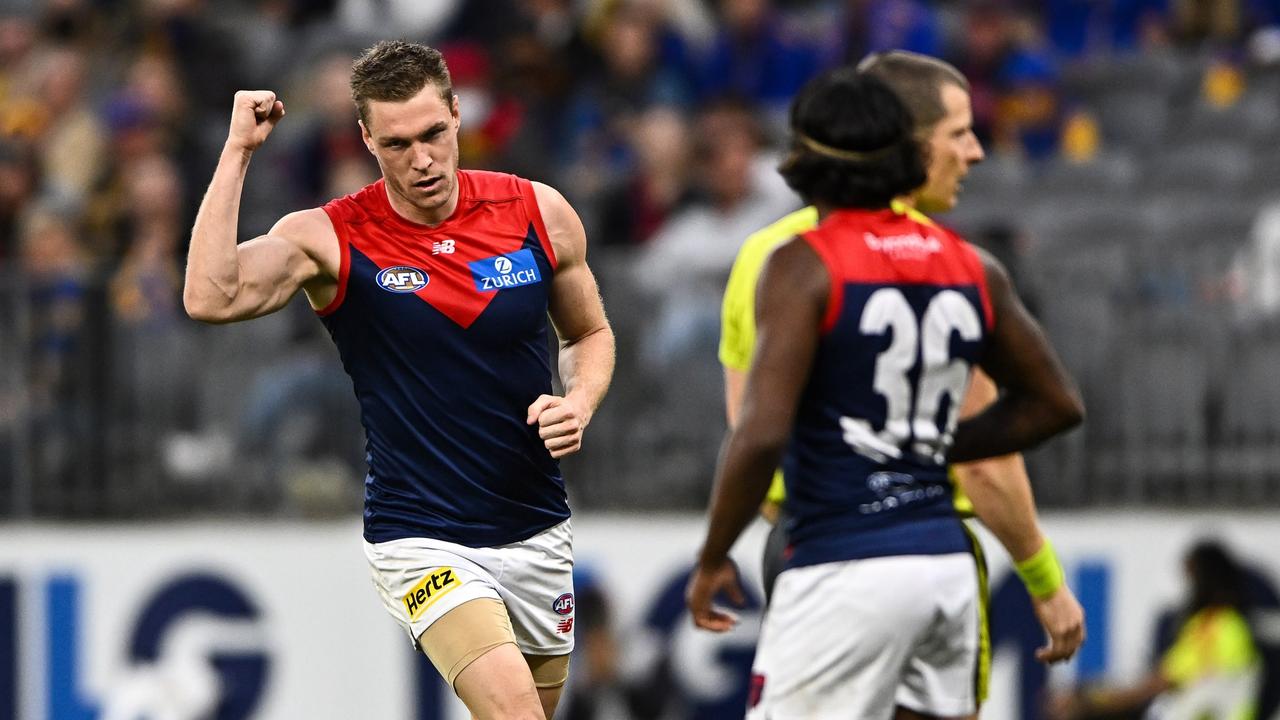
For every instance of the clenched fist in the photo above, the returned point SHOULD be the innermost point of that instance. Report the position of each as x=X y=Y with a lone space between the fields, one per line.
x=254 y=115
x=560 y=423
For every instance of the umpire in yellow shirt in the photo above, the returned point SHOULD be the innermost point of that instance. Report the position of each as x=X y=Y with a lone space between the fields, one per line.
x=996 y=491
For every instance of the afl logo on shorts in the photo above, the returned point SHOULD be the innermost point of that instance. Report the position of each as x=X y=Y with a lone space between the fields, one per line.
x=563 y=604
x=403 y=279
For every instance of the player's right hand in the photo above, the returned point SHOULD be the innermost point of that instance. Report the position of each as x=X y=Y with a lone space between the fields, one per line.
x=707 y=582
x=1062 y=618
x=254 y=115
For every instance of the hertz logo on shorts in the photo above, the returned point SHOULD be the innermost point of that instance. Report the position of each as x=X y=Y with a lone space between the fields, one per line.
x=428 y=590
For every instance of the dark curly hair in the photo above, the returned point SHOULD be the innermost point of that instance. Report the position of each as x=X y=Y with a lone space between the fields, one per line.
x=1216 y=578
x=852 y=143
x=395 y=70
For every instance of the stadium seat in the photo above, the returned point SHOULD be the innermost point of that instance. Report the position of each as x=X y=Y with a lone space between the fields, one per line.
x=1163 y=389
x=1249 y=455
x=1213 y=168
x=1107 y=173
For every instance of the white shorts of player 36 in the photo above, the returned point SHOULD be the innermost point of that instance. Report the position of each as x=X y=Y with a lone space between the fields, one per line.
x=854 y=639
x=420 y=580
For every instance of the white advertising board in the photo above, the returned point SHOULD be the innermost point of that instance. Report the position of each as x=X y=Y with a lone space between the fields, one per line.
x=279 y=620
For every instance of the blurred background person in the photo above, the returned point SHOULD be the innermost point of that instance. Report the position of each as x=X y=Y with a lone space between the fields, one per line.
x=1212 y=669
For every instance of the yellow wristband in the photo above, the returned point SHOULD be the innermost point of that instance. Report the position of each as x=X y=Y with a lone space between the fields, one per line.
x=1041 y=573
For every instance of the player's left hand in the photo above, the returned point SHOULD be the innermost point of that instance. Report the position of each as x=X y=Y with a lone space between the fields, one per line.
x=707 y=582
x=1063 y=620
x=560 y=423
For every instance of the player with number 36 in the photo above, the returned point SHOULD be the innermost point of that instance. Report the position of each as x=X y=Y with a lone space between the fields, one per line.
x=868 y=329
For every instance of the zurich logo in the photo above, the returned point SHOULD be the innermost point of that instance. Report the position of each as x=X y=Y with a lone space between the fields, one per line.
x=403 y=279
x=502 y=272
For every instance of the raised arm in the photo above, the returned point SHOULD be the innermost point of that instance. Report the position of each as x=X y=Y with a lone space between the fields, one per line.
x=1039 y=399
x=226 y=281
x=792 y=298
x=586 y=340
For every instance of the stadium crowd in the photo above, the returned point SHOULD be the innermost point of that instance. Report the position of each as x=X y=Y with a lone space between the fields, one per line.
x=1131 y=186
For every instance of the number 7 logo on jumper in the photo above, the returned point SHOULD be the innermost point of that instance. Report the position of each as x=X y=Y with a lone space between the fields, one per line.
x=924 y=342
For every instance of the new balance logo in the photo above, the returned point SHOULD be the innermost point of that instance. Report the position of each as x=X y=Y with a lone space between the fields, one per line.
x=443 y=247
x=565 y=626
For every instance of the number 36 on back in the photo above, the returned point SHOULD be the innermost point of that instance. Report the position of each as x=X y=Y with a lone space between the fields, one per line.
x=928 y=340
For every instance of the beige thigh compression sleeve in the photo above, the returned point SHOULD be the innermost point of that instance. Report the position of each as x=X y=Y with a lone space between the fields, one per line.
x=549 y=671
x=465 y=633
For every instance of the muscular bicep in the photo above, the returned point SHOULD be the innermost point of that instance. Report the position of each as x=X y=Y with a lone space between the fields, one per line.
x=575 y=306
x=790 y=302
x=574 y=302
x=299 y=252
x=272 y=271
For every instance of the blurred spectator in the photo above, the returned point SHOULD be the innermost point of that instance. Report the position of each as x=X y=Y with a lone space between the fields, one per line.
x=757 y=56
x=300 y=426
x=868 y=26
x=1254 y=282
x=58 y=275
x=493 y=121
x=1084 y=28
x=148 y=116
x=146 y=289
x=1013 y=80
x=328 y=135
x=1028 y=115
x=687 y=262
x=152 y=371
x=207 y=58
x=18 y=88
x=1211 y=670
x=641 y=203
x=629 y=80
x=71 y=139
x=1216 y=22
x=18 y=180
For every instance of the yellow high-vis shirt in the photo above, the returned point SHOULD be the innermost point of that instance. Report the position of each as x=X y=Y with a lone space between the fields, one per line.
x=1214 y=667
x=738 y=309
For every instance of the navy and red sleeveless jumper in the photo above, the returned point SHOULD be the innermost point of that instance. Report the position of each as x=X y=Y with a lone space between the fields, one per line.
x=444 y=333
x=907 y=317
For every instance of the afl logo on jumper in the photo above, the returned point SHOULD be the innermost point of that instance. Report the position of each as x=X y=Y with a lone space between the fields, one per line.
x=563 y=604
x=505 y=271
x=403 y=279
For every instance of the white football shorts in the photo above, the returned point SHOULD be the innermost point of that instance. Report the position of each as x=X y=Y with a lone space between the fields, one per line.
x=854 y=639
x=420 y=579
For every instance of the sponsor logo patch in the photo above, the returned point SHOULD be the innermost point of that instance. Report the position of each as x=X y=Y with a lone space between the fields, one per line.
x=563 y=605
x=913 y=246
x=428 y=590
x=565 y=626
x=403 y=279
x=505 y=271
